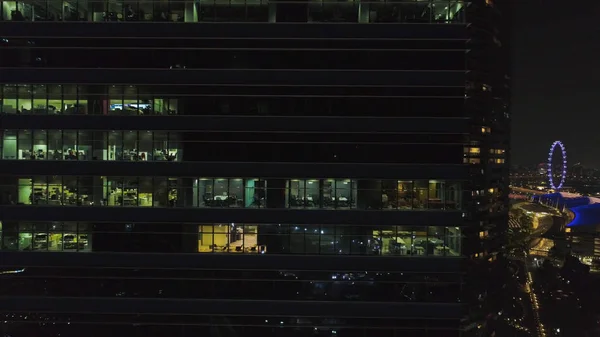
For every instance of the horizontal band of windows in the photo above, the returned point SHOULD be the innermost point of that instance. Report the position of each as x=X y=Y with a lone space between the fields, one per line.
x=246 y=31
x=119 y=45
x=192 y=307
x=332 y=153
x=91 y=145
x=194 y=273
x=232 y=238
x=233 y=192
x=234 y=76
x=264 y=71
x=236 y=215
x=149 y=146
x=439 y=268
x=297 y=321
x=116 y=146
x=268 y=170
x=76 y=57
x=221 y=100
x=200 y=89
x=75 y=329
x=448 y=11
x=260 y=42
x=251 y=106
x=233 y=92
x=212 y=128
x=333 y=290
x=431 y=140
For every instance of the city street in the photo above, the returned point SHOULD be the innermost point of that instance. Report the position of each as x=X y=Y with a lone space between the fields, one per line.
x=559 y=306
x=524 y=297
x=542 y=220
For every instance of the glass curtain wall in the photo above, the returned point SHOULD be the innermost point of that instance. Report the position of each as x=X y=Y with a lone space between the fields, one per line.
x=91 y=145
x=340 y=194
x=407 y=11
x=240 y=238
x=70 y=99
x=46 y=236
x=416 y=241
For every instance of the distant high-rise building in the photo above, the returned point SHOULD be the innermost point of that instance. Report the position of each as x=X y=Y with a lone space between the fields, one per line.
x=210 y=168
x=542 y=169
x=576 y=171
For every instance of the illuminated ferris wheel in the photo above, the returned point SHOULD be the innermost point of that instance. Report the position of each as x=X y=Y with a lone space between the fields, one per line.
x=556 y=168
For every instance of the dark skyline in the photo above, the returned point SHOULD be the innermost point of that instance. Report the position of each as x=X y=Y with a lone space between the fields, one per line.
x=555 y=79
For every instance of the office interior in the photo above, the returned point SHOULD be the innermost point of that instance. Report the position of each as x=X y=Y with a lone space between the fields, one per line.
x=62 y=99
x=238 y=238
x=215 y=146
x=98 y=191
x=229 y=237
x=330 y=239
x=160 y=100
x=91 y=145
x=206 y=192
x=46 y=236
x=414 y=11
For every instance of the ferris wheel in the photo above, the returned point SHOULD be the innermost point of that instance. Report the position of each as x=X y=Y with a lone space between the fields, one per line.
x=554 y=167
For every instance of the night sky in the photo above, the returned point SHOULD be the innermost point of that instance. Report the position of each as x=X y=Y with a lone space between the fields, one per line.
x=556 y=80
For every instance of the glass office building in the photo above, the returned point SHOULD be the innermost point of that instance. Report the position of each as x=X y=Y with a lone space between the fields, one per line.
x=249 y=168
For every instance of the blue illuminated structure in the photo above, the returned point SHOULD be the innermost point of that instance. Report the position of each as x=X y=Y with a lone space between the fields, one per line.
x=558 y=200
x=564 y=165
x=587 y=215
x=586 y=210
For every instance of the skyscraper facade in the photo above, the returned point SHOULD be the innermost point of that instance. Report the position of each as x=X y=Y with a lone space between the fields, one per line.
x=248 y=168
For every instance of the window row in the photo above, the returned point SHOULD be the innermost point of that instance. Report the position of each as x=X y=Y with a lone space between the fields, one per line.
x=47 y=236
x=239 y=320
x=90 y=145
x=235 y=289
x=86 y=145
x=185 y=273
x=57 y=99
x=331 y=239
x=39 y=144
x=95 y=326
x=235 y=238
x=234 y=192
x=102 y=55
x=428 y=11
x=478 y=160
